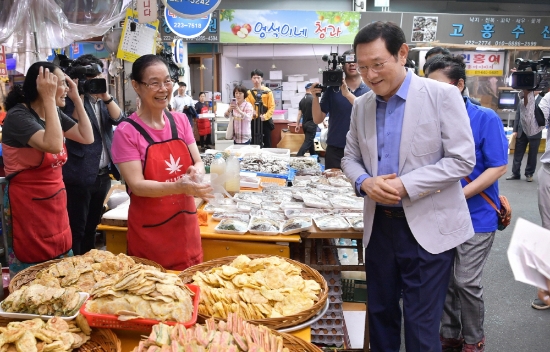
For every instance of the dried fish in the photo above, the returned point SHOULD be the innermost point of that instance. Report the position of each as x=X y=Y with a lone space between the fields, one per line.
x=356 y=222
x=311 y=212
x=316 y=202
x=305 y=166
x=250 y=197
x=273 y=215
x=262 y=225
x=232 y=226
x=331 y=222
x=341 y=181
x=297 y=224
x=271 y=206
x=234 y=216
x=210 y=208
x=346 y=202
x=301 y=183
x=292 y=205
x=263 y=164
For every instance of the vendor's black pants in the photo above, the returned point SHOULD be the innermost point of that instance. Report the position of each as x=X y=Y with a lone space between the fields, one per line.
x=85 y=207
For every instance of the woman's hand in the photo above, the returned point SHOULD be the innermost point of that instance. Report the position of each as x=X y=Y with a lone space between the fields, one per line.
x=73 y=88
x=46 y=84
x=195 y=189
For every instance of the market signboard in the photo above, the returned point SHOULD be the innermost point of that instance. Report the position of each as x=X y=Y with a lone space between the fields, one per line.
x=475 y=30
x=288 y=27
x=199 y=30
x=478 y=63
x=192 y=8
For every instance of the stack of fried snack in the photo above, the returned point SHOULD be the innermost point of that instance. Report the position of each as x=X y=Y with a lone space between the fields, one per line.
x=35 y=335
x=261 y=288
x=141 y=292
x=42 y=300
x=82 y=272
x=235 y=335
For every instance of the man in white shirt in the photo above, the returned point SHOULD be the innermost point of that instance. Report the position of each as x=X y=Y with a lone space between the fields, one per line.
x=182 y=102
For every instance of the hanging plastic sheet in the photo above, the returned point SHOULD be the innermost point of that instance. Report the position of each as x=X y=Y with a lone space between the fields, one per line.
x=32 y=28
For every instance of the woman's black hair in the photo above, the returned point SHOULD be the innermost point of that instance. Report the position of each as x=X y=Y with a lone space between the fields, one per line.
x=241 y=89
x=452 y=66
x=142 y=63
x=28 y=93
x=392 y=35
x=202 y=93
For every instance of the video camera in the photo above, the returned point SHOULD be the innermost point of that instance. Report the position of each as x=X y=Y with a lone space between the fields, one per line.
x=90 y=86
x=334 y=74
x=537 y=78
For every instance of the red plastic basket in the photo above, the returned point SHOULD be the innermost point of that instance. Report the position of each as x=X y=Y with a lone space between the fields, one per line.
x=109 y=321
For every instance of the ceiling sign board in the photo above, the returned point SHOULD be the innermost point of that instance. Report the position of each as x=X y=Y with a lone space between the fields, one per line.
x=192 y=8
x=186 y=27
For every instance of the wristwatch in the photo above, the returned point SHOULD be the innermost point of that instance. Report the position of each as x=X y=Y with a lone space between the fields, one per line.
x=108 y=101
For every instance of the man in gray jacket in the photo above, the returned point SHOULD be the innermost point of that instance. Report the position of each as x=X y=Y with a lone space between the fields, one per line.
x=409 y=144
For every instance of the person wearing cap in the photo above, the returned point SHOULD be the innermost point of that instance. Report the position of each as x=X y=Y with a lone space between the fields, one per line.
x=310 y=127
x=337 y=103
x=183 y=102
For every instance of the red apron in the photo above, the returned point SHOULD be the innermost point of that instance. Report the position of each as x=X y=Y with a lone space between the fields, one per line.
x=204 y=124
x=165 y=229
x=38 y=202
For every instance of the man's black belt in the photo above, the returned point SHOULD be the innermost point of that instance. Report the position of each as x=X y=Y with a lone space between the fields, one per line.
x=391 y=212
x=104 y=171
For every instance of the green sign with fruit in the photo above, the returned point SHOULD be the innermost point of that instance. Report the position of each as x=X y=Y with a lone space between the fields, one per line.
x=282 y=26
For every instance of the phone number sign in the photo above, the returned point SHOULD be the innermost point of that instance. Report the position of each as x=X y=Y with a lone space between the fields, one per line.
x=198 y=30
x=192 y=8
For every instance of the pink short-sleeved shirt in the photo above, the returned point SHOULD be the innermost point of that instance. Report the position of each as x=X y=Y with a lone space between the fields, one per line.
x=129 y=144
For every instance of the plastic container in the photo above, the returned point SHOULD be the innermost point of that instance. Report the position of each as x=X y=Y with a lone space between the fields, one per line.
x=109 y=321
x=240 y=227
x=331 y=223
x=257 y=221
x=217 y=173
x=233 y=175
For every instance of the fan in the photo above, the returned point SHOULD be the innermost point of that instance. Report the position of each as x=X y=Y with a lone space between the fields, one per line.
x=112 y=39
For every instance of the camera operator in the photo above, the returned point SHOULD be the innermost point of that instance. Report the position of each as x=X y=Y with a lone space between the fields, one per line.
x=86 y=173
x=267 y=105
x=337 y=103
x=527 y=132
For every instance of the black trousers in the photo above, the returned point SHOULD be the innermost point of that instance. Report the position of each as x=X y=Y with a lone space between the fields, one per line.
x=310 y=129
x=521 y=146
x=333 y=157
x=85 y=207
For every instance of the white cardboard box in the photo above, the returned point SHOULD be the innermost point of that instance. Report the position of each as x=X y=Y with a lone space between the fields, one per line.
x=276 y=75
x=286 y=106
x=290 y=86
x=292 y=114
x=288 y=94
x=296 y=78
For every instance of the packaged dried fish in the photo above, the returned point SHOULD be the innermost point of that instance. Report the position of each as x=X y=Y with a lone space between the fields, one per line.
x=292 y=205
x=271 y=206
x=234 y=216
x=232 y=226
x=319 y=193
x=331 y=222
x=273 y=215
x=297 y=224
x=331 y=189
x=339 y=182
x=311 y=212
x=251 y=197
x=263 y=226
x=316 y=202
x=346 y=202
x=301 y=183
x=246 y=207
x=210 y=208
x=356 y=222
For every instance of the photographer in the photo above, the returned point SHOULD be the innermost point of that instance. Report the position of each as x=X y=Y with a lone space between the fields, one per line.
x=527 y=132
x=337 y=103
x=86 y=173
x=267 y=109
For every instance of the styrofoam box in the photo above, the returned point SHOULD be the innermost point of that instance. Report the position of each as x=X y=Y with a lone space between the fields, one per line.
x=296 y=78
x=286 y=106
x=288 y=94
x=275 y=75
x=302 y=87
x=290 y=86
x=296 y=99
x=241 y=149
x=278 y=152
x=292 y=113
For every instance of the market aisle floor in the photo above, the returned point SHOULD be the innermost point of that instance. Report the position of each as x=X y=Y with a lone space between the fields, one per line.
x=510 y=322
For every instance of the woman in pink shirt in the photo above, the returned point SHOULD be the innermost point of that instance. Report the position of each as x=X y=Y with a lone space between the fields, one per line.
x=241 y=110
x=158 y=158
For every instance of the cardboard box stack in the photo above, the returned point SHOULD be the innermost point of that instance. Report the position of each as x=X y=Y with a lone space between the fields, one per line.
x=293 y=92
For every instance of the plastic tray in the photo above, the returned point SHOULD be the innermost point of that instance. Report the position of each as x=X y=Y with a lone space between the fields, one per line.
x=109 y=321
x=258 y=232
x=298 y=230
x=350 y=219
x=345 y=224
x=83 y=297
x=218 y=230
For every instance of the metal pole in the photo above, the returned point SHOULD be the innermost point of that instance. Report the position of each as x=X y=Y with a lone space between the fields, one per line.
x=35 y=35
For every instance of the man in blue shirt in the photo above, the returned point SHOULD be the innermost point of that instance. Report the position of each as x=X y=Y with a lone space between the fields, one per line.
x=408 y=145
x=337 y=103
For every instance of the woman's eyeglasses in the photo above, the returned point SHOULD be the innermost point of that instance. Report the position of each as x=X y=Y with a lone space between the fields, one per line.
x=158 y=85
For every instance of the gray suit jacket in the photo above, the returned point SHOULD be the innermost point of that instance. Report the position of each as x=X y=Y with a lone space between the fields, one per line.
x=436 y=151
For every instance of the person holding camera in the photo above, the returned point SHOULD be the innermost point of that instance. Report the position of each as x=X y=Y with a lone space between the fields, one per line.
x=34 y=151
x=527 y=132
x=86 y=173
x=241 y=111
x=261 y=99
x=337 y=103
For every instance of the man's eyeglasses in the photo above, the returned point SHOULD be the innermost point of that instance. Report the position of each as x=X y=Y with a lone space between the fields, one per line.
x=158 y=85
x=376 y=68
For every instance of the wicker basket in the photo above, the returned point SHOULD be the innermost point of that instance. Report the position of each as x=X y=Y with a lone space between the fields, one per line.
x=23 y=277
x=273 y=323
x=296 y=344
x=103 y=340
